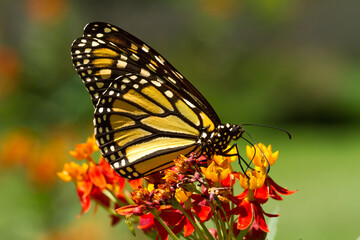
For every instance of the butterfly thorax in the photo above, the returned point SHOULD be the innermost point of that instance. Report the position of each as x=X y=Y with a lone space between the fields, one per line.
x=217 y=141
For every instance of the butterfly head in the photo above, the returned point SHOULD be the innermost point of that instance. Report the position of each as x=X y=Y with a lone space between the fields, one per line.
x=235 y=131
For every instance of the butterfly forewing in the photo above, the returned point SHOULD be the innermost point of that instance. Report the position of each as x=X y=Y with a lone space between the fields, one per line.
x=116 y=52
x=141 y=126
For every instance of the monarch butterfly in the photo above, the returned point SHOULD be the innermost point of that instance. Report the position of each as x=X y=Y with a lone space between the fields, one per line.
x=146 y=112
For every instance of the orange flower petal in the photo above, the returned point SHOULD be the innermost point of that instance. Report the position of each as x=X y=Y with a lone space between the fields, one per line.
x=65 y=176
x=96 y=176
x=135 y=183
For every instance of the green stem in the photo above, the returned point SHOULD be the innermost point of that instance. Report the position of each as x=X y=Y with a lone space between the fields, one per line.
x=216 y=220
x=223 y=227
x=110 y=210
x=208 y=234
x=232 y=220
x=128 y=199
x=112 y=197
x=230 y=232
x=172 y=235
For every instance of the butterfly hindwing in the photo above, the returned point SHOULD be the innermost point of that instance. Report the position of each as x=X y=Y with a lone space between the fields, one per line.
x=141 y=125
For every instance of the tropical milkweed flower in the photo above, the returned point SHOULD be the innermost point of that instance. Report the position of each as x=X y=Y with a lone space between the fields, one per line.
x=85 y=150
x=21 y=148
x=183 y=198
x=261 y=155
x=93 y=181
x=257 y=186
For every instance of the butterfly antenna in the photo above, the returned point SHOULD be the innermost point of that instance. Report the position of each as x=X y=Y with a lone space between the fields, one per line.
x=252 y=145
x=267 y=126
x=240 y=160
x=252 y=139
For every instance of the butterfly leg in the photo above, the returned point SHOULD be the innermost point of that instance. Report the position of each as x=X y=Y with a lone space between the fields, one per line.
x=241 y=160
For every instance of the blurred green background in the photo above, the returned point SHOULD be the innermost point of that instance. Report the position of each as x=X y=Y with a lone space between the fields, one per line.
x=287 y=63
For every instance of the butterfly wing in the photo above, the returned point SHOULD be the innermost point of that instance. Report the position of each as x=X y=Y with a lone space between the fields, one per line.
x=146 y=113
x=106 y=52
x=141 y=125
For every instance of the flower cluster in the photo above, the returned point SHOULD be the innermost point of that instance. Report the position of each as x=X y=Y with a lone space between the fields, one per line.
x=95 y=181
x=37 y=159
x=183 y=199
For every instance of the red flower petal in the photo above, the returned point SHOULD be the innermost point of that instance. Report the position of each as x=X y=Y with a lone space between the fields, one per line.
x=85 y=204
x=203 y=212
x=273 y=194
x=236 y=175
x=96 y=176
x=100 y=197
x=172 y=217
x=238 y=199
x=243 y=194
x=271 y=215
x=161 y=231
x=188 y=228
x=135 y=183
x=84 y=188
x=137 y=210
x=199 y=200
x=259 y=216
x=262 y=194
x=255 y=232
x=226 y=182
x=179 y=227
x=114 y=220
x=279 y=189
x=245 y=215
x=146 y=222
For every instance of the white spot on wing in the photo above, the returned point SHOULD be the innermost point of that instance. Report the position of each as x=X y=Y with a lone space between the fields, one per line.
x=145 y=48
x=95 y=44
x=151 y=67
x=143 y=81
x=189 y=103
x=171 y=80
x=144 y=72
x=169 y=93
x=156 y=83
x=121 y=64
x=135 y=57
x=159 y=59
